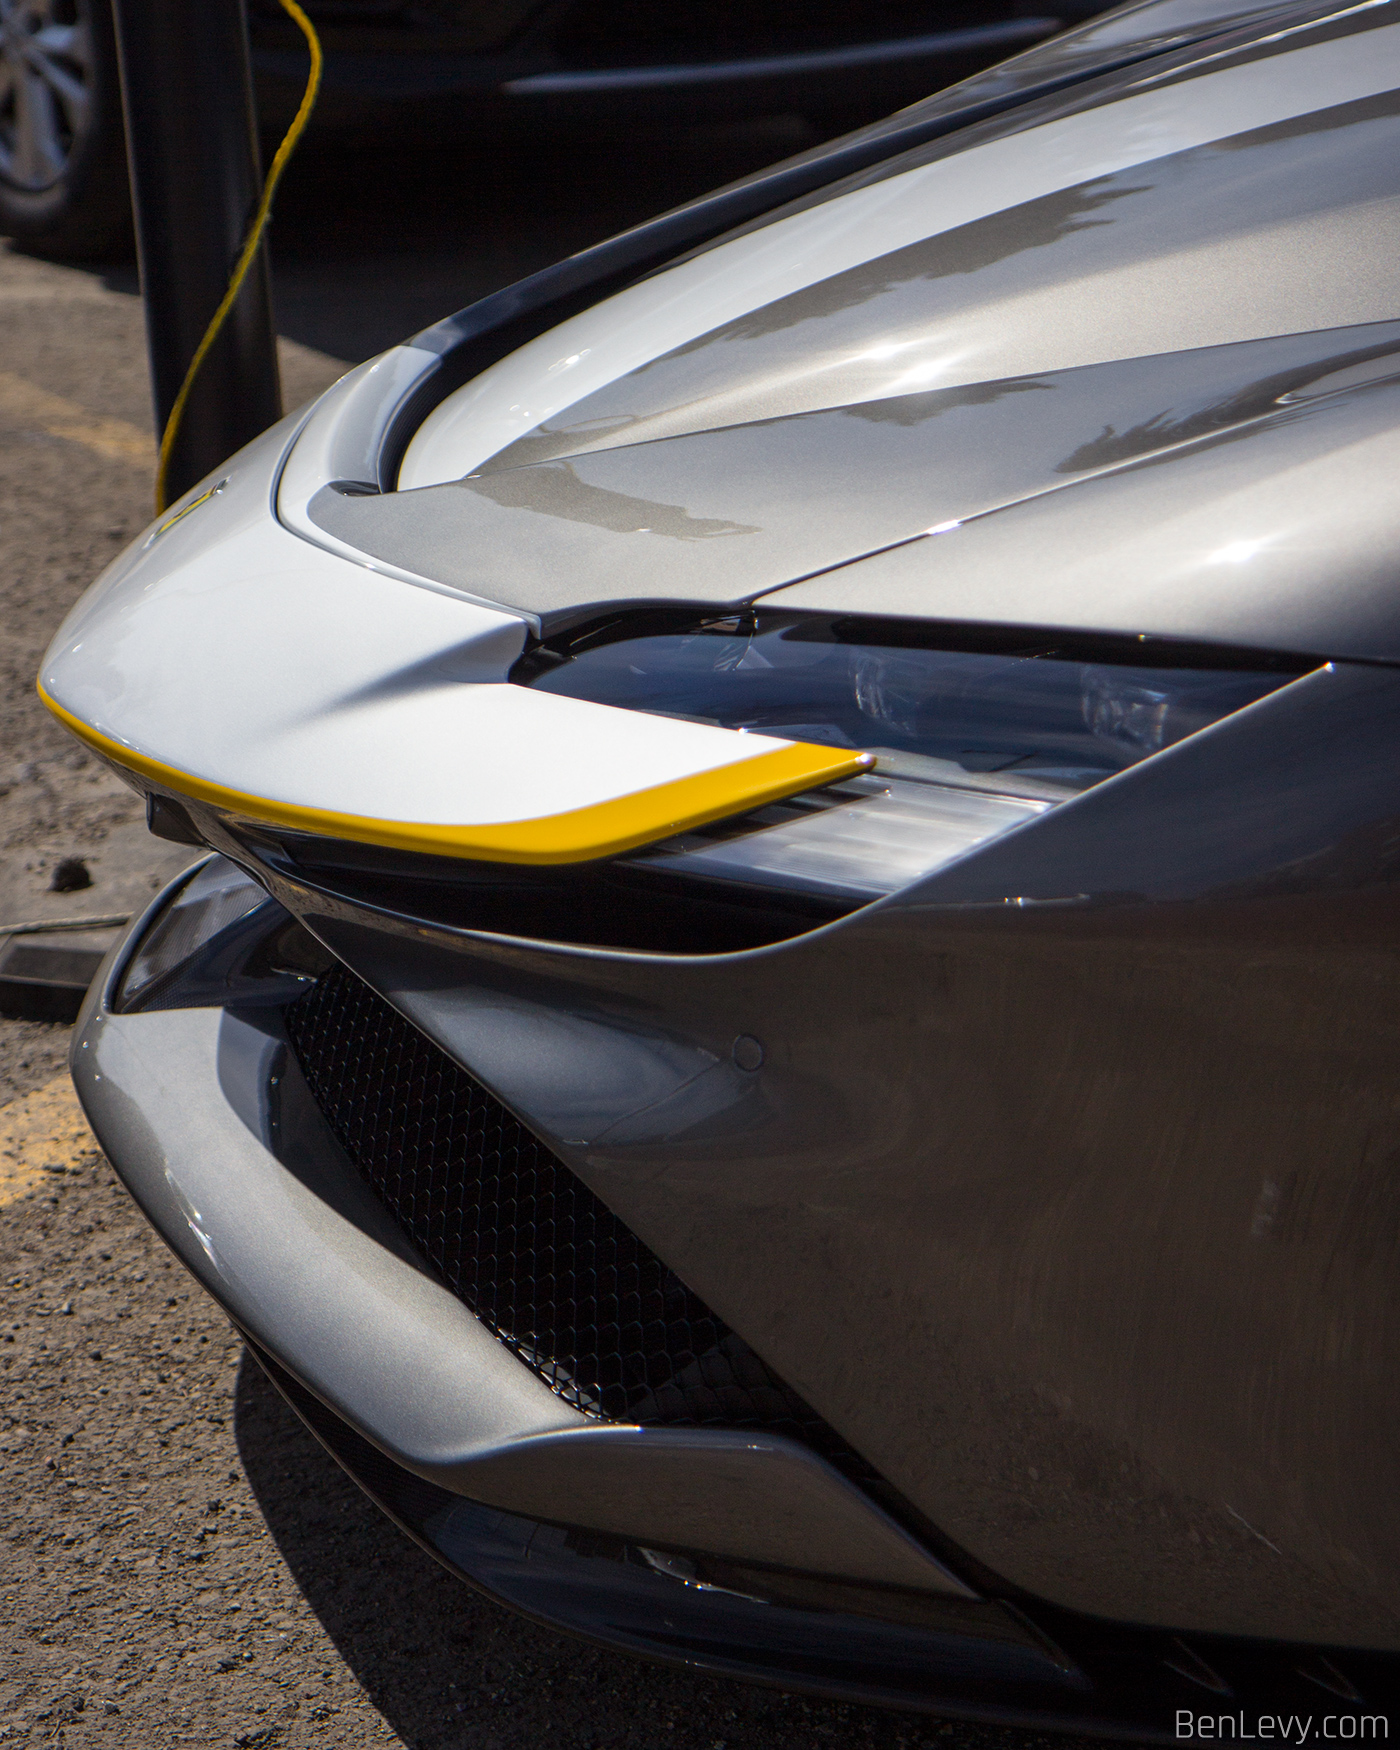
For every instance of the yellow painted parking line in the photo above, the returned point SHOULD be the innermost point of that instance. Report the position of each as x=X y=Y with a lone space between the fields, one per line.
x=42 y=1135
x=61 y=418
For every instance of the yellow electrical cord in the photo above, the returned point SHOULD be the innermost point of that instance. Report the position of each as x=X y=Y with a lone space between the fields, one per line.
x=250 y=247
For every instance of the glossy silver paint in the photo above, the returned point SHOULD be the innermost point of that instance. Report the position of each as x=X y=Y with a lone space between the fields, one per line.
x=1280 y=534
x=1207 y=481
x=206 y=1115
x=1064 y=338
x=1066 y=1188
x=1228 y=241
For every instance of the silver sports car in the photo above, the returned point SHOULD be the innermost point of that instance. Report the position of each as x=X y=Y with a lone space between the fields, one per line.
x=790 y=1046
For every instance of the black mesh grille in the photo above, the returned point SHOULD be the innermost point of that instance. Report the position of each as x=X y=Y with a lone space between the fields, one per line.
x=529 y=1248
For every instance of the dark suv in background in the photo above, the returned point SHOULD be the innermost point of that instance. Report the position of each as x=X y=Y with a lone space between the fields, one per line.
x=440 y=70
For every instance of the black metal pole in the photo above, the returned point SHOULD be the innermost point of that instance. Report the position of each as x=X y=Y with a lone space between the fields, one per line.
x=192 y=146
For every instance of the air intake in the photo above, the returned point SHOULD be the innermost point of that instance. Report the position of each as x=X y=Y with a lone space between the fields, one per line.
x=548 y=1268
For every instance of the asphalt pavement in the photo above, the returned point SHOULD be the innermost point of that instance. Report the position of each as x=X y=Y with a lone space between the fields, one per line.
x=180 y=1563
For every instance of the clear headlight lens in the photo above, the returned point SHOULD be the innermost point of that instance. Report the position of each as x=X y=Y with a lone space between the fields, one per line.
x=970 y=741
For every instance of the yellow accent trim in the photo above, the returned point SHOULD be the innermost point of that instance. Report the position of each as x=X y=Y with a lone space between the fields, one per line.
x=580 y=835
x=180 y=515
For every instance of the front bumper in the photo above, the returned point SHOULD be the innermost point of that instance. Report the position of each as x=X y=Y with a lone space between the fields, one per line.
x=741 y=1553
x=206 y=1116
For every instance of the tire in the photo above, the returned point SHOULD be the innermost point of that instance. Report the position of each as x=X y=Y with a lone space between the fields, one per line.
x=63 y=179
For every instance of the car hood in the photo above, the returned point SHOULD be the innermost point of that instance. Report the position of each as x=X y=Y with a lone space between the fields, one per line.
x=1125 y=358
x=1192 y=261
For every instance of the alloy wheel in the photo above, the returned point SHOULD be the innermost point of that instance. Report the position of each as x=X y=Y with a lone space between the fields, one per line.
x=46 y=89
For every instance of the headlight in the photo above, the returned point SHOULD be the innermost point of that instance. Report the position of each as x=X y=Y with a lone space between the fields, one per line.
x=976 y=732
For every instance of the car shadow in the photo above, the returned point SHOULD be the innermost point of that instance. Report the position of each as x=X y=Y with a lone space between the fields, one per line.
x=446 y=1667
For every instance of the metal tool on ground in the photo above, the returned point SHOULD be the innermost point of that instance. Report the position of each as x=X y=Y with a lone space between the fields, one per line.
x=45 y=980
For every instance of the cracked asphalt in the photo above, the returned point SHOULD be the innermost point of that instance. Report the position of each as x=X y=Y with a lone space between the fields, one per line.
x=180 y=1563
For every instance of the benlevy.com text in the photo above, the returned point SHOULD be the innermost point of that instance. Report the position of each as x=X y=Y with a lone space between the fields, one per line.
x=1282 y=1728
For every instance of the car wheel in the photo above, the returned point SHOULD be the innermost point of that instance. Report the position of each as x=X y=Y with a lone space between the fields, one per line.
x=63 y=181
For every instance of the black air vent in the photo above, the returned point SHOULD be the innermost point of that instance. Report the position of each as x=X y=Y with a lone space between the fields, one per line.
x=529 y=1248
